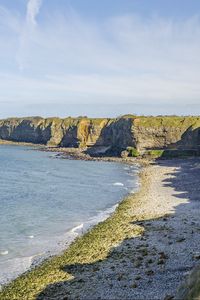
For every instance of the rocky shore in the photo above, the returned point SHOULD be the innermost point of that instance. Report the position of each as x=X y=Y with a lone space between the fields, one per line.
x=145 y=250
x=72 y=153
x=80 y=154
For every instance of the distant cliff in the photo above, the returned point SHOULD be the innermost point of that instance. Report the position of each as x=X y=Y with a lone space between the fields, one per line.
x=100 y=135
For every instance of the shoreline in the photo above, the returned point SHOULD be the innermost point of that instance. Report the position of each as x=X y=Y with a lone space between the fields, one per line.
x=145 y=250
x=68 y=237
x=39 y=264
x=7 y=142
x=74 y=153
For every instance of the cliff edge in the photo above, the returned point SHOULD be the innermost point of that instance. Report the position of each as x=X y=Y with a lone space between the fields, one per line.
x=104 y=134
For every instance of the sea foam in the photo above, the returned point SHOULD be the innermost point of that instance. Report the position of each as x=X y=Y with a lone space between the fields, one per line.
x=77 y=229
x=118 y=184
x=5 y=252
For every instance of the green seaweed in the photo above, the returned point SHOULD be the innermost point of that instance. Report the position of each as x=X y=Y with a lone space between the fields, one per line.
x=89 y=248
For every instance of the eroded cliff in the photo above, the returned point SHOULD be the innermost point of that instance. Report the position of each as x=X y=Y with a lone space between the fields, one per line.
x=100 y=135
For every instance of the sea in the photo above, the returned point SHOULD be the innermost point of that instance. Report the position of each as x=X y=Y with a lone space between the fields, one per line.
x=45 y=202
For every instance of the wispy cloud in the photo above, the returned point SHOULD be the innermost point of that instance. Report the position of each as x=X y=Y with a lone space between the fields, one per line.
x=27 y=33
x=125 y=58
x=33 y=8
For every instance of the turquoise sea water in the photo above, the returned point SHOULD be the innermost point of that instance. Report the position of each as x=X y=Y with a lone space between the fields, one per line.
x=45 y=202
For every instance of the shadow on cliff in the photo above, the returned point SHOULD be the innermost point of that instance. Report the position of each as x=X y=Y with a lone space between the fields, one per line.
x=113 y=138
x=190 y=138
x=116 y=136
x=187 y=171
x=188 y=145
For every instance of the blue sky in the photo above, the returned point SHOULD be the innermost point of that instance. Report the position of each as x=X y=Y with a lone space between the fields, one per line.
x=99 y=58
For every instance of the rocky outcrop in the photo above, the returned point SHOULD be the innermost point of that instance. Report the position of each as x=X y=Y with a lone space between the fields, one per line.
x=33 y=130
x=190 y=289
x=100 y=135
x=166 y=132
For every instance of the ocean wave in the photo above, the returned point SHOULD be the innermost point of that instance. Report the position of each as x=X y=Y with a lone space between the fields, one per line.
x=5 y=252
x=118 y=184
x=31 y=236
x=77 y=228
x=13 y=267
x=23 y=264
x=100 y=217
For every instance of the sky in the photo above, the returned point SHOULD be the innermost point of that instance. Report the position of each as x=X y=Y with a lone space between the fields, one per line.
x=99 y=58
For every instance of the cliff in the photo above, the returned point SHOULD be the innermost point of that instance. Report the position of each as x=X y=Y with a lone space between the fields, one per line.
x=100 y=135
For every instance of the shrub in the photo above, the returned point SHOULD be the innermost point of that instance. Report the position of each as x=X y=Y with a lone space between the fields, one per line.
x=155 y=153
x=171 y=153
x=133 y=152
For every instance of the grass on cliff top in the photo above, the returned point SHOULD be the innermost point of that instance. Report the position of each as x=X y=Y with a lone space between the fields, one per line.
x=168 y=121
x=146 y=121
x=91 y=247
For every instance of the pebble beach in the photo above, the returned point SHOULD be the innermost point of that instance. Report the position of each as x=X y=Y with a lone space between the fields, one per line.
x=155 y=254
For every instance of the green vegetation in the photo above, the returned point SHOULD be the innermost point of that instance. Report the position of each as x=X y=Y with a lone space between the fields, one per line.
x=128 y=116
x=171 y=153
x=169 y=121
x=133 y=152
x=98 y=121
x=155 y=153
x=92 y=247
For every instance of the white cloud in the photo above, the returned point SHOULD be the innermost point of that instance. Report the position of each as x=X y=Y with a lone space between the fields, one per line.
x=126 y=58
x=27 y=33
x=33 y=8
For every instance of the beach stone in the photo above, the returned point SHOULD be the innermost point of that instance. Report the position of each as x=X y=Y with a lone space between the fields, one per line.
x=196 y=256
x=149 y=272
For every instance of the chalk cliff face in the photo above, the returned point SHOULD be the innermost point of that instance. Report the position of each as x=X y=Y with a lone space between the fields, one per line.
x=97 y=134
